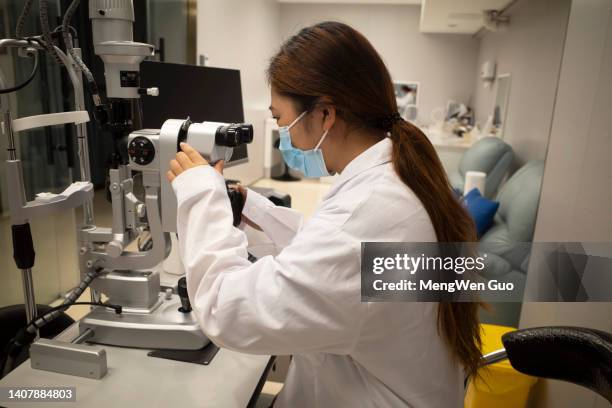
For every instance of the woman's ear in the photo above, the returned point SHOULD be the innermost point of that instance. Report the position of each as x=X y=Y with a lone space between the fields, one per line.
x=329 y=117
x=325 y=112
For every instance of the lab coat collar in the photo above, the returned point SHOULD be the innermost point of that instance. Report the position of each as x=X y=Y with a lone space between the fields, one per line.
x=375 y=155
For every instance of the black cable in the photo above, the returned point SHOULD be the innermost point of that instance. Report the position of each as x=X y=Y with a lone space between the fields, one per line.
x=37 y=40
x=43 y=11
x=73 y=31
x=118 y=309
x=144 y=242
x=25 y=337
x=27 y=81
x=22 y=17
x=91 y=82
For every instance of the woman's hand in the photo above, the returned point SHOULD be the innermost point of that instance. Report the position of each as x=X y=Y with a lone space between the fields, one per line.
x=243 y=191
x=186 y=159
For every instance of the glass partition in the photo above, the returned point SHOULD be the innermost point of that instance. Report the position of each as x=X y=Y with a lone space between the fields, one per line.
x=48 y=161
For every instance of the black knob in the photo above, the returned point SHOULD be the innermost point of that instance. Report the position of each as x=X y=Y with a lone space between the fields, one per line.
x=234 y=135
x=182 y=292
x=236 y=201
x=246 y=133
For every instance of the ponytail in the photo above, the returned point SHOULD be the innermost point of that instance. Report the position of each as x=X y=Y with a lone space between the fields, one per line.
x=417 y=164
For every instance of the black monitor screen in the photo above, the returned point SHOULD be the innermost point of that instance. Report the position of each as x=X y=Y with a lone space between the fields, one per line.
x=200 y=93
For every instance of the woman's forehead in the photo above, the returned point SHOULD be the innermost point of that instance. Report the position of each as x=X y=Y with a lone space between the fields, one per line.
x=279 y=102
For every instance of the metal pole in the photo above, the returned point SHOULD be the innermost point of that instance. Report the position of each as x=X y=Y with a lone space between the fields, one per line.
x=28 y=294
x=83 y=146
x=74 y=73
x=87 y=334
x=8 y=131
x=493 y=357
x=11 y=42
x=26 y=273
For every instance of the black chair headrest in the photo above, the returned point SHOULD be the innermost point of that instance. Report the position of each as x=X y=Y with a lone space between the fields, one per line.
x=574 y=354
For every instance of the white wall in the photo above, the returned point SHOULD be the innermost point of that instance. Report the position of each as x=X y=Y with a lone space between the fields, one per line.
x=444 y=64
x=576 y=190
x=242 y=35
x=530 y=49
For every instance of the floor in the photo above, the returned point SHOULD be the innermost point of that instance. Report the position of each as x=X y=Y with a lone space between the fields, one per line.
x=305 y=194
x=269 y=391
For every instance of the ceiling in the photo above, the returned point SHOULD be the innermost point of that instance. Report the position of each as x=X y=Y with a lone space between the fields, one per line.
x=456 y=16
x=409 y=2
x=437 y=16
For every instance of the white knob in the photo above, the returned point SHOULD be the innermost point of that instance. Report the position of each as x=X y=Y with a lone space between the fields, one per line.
x=141 y=210
x=153 y=91
x=168 y=293
x=114 y=249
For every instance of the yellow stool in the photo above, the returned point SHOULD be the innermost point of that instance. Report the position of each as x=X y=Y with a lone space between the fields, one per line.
x=500 y=385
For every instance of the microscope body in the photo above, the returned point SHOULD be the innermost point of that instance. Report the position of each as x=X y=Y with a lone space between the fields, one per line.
x=151 y=319
x=152 y=150
x=131 y=277
x=112 y=34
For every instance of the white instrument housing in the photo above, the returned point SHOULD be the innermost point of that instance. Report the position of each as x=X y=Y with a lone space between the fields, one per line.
x=165 y=144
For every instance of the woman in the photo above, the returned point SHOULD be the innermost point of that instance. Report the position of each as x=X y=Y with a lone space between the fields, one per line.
x=333 y=100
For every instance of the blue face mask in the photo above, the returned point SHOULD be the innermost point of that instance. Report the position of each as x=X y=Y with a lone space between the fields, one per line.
x=309 y=162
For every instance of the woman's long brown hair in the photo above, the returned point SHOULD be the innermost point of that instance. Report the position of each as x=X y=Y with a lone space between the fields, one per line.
x=335 y=61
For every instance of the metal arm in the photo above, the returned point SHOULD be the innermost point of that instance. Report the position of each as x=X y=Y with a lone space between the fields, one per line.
x=493 y=357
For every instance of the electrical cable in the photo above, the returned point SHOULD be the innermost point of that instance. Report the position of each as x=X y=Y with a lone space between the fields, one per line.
x=24 y=337
x=93 y=87
x=72 y=297
x=73 y=30
x=27 y=81
x=144 y=243
x=43 y=10
x=25 y=11
x=117 y=308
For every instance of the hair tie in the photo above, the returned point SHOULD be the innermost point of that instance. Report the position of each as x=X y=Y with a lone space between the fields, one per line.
x=386 y=122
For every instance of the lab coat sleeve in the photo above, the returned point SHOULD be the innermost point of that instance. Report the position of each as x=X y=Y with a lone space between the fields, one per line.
x=306 y=299
x=279 y=223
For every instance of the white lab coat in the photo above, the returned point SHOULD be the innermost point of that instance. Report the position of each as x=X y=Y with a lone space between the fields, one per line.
x=306 y=300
